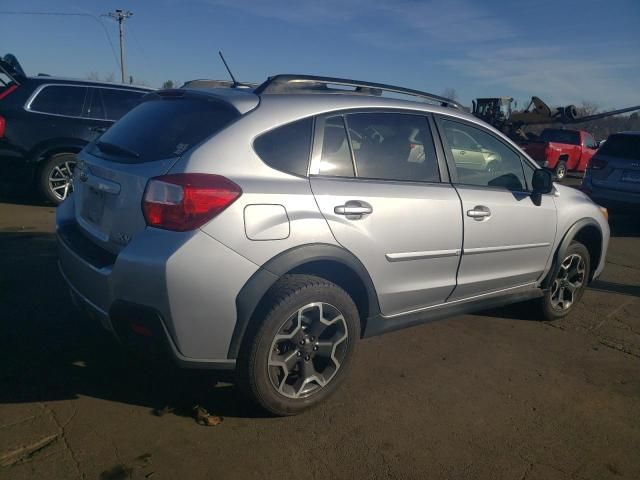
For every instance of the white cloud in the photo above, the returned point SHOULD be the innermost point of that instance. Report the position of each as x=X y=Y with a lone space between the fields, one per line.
x=557 y=75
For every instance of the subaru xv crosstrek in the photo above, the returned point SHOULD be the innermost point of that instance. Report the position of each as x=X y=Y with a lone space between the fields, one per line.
x=268 y=230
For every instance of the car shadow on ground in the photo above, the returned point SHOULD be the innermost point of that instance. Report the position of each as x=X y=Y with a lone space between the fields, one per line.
x=20 y=195
x=624 y=225
x=53 y=352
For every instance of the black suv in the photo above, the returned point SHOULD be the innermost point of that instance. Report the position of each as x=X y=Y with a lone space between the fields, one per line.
x=45 y=121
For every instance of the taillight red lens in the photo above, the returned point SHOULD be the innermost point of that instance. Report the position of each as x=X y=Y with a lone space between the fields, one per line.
x=3 y=124
x=186 y=201
x=597 y=163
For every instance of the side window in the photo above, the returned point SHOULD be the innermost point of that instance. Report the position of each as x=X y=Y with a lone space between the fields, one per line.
x=481 y=159
x=286 y=148
x=336 y=154
x=393 y=146
x=118 y=102
x=589 y=141
x=96 y=105
x=60 y=100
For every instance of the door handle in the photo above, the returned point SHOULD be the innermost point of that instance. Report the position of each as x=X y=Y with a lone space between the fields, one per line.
x=353 y=209
x=98 y=129
x=463 y=152
x=479 y=213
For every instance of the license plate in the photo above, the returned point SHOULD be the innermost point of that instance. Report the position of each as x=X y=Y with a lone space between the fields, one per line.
x=93 y=206
x=631 y=176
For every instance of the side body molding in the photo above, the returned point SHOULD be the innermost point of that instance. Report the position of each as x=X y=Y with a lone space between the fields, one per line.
x=260 y=282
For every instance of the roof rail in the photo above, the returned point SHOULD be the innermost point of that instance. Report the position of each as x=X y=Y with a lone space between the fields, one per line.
x=286 y=83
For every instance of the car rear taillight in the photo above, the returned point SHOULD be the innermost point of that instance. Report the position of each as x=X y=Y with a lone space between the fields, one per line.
x=7 y=91
x=597 y=164
x=3 y=124
x=185 y=201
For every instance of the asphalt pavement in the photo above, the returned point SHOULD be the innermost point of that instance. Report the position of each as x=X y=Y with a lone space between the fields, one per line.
x=496 y=395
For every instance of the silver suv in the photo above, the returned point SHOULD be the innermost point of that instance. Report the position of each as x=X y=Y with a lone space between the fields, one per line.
x=268 y=230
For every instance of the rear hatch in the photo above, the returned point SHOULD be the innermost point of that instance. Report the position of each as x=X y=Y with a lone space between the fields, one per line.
x=616 y=165
x=113 y=171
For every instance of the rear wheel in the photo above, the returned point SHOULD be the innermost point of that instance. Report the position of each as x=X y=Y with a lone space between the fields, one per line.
x=301 y=350
x=569 y=283
x=561 y=170
x=55 y=177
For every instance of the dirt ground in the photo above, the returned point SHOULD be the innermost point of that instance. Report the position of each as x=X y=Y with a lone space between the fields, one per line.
x=488 y=396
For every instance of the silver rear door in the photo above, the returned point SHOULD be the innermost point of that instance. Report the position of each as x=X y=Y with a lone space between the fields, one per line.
x=407 y=233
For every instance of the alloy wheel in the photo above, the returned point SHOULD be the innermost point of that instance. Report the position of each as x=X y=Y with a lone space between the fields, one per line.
x=568 y=282
x=60 y=179
x=308 y=350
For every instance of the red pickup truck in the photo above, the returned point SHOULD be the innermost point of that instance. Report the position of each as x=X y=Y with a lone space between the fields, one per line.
x=563 y=150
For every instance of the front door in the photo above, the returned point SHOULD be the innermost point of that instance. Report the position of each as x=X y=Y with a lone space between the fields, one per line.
x=379 y=188
x=507 y=237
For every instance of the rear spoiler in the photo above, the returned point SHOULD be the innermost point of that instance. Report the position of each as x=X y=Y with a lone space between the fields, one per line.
x=10 y=66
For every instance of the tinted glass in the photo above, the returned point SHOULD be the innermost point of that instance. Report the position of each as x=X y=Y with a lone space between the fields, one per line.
x=568 y=137
x=286 y=148
x=489 y=163
x=61 y=100
x=163 y=128
x=336 y=155
x=96 y=105
x=119 y=102
x=393 y=146
x=622 y=146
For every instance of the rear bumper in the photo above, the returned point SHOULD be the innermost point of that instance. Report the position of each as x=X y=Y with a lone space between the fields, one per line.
x=614 y=199
x=182 y=286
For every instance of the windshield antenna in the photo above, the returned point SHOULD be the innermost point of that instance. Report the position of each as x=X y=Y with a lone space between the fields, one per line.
x=235 y=82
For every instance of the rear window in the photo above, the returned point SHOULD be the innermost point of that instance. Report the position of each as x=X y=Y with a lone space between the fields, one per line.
x=568 y=137
x=65 y=100
x=622 y=146
x=287 y=148
x=162 y=128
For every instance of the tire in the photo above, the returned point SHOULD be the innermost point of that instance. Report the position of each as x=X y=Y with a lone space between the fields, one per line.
x=290 y=360
x=54 y=180
x=561 y=170
x=552 y=307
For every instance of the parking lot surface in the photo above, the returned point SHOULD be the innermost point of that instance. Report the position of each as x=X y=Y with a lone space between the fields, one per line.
x=493 y=395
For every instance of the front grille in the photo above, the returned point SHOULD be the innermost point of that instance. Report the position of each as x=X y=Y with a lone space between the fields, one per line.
x=73 y=238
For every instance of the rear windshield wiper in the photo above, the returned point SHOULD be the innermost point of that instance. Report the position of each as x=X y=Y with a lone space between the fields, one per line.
x=108 y=147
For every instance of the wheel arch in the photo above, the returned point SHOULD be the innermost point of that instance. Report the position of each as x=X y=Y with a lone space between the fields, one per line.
x=586 y=231
x=331 y=262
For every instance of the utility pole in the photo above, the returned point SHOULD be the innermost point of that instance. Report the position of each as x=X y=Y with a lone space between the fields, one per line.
x=120 y=16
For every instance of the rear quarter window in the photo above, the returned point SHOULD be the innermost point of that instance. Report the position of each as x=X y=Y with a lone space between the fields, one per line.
x=287 y=148
x=164 y=127
x=118 y=102
x=65 y=100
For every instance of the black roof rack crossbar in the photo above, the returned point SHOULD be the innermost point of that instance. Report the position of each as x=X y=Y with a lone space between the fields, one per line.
x=286 y=83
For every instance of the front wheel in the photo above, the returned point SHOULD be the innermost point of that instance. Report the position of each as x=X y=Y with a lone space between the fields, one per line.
x=569 y=283
x=55 y=177
x=300 y=351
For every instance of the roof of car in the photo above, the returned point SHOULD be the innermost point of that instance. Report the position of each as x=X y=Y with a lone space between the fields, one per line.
x=40 y=79
x=629 y=132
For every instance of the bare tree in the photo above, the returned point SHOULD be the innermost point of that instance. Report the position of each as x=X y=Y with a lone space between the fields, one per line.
x=168 y=84
x=93 y=76
x=450 y=93
x=110 y=77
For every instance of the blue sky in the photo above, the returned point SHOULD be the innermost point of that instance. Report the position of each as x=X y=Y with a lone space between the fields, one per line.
x=562 y=51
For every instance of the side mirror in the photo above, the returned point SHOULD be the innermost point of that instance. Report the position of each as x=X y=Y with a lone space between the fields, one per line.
x=542 y=183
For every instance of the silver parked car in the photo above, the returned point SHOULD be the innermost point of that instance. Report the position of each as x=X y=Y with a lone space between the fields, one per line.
x=268 y=230
x=612 y=177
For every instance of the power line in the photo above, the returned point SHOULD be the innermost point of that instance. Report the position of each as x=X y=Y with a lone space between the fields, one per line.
x=65 y=14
